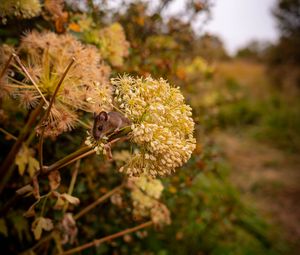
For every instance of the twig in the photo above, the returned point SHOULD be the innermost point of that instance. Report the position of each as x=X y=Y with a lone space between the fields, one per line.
x=97 y=202
x=68 y=159
x=8 y=134
x=39 y=243
x=29 y=76
x=6 y=66
x=41 y=141
x=107 y=238
x=72 y=183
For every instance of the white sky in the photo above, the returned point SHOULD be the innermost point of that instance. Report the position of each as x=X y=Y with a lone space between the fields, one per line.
x=239 y=21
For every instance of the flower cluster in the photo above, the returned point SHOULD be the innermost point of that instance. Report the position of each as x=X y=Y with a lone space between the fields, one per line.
x=110 y=40
x=145 y=193
x=113 y=44
x=19 y=8
x=162 y=125
x=97 y=145
x=86 y=86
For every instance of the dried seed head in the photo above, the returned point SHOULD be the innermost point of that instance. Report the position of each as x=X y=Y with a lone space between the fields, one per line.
x=86 y=86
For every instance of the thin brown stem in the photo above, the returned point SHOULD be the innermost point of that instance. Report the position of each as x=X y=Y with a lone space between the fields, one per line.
x=41 y=141
x=97 y=202
x=107 y=238
x=8 y=134
x=72 y=183
x=6 y=66
x=47 y=238
x=90 y=152
x=68 y=159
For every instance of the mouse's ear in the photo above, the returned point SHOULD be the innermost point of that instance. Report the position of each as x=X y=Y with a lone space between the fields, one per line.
x=103 y=116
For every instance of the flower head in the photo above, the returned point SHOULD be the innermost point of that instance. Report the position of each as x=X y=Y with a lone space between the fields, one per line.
x=145 y=194
x=86 y=86
x=162 y=125
x=19 y=8
x=113 y=44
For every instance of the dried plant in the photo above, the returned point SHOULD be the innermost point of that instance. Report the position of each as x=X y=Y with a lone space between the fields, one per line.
x=86 y=86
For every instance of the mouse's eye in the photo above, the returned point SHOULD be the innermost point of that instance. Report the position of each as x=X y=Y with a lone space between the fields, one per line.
x=100 y=128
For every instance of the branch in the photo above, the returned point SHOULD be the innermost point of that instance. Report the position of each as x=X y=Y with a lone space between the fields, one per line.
x=6 y=66
x=107 y=238
x=41 y=141
x=97 y=202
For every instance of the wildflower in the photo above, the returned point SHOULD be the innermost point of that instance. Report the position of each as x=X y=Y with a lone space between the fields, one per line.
x=86 y=86
x=145 y=193
x=97 y=145
x=113 y=44
x=162 y=125
x=24 y=9
x=110 y=40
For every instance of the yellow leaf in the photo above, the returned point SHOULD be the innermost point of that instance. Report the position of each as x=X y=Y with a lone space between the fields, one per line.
x=33 y=166
x=3 y=228
x=54 y=180
x=22 y=159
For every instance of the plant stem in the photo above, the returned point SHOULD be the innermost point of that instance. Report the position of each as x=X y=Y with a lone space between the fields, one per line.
x=6 y=66
x=6 y=168
x=41 y=141
x=107 y=238
x=39 y=243
x=8 y=134
x=68 y=159
x=97 y=202
x=72 y=183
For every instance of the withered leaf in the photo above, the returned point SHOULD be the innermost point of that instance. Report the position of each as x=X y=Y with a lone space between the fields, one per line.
x=39 y=225
x=54 y=180
x=24 y=158
x=70 y=199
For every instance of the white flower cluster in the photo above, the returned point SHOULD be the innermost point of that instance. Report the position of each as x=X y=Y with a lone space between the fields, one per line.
x=145 y=193
x=162 y=125
x=99 y=146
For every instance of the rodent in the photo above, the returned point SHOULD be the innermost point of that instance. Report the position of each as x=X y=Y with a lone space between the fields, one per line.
x=108 y=122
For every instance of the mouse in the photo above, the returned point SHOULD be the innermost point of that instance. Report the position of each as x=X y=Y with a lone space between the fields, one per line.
x=106 y=123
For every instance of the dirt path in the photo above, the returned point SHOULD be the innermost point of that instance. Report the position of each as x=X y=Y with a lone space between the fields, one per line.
x=269 y=178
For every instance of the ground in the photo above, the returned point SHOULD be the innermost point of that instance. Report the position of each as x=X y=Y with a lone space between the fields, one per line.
x=269 y=178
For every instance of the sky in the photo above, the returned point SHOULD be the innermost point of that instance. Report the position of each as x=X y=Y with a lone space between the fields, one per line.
x=240 y=21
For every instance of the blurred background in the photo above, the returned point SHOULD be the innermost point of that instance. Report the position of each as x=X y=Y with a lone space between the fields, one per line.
x=238 y=65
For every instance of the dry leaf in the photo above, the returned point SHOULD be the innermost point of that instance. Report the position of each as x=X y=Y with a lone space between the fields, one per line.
x=54 y=180
x=60 y=203
x=39 y=225
x=30 y=212
x=24 y=158
x=70 y=199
